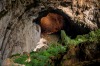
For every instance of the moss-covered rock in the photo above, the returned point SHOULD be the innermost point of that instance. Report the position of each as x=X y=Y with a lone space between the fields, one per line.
x=80 y=50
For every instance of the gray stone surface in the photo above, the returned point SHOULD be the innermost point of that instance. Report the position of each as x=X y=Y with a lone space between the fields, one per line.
x=22 y=37
x=18 y=33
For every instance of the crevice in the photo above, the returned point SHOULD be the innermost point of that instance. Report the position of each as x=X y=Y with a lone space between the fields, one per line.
x=4 y=45
x=34 y=4
x=3 y=13
x=71 y=28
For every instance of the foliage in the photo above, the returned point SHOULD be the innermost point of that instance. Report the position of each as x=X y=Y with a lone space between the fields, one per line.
x=44 y=58
x=64 y=38
x=92 y=36
x=21 y=59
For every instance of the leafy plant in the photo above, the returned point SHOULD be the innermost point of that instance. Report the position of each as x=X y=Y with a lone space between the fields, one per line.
x=44 y=58
x=92 y=36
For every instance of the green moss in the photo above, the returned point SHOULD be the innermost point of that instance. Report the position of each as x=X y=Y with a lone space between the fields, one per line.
x=21 y=59
x=92 y=36
x=64 y=38
x=43 y=58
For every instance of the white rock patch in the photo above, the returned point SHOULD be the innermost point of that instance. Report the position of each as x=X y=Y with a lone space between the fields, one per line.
x=41 y=43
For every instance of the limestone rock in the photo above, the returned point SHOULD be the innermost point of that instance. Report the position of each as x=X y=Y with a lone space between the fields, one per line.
x=23 y=37
x=83 y=12
x=18 y=33
x=9 y=62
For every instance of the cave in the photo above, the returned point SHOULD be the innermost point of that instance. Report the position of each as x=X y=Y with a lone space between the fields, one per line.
x=71 y=28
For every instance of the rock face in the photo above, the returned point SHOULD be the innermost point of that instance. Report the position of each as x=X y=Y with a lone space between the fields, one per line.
x=41 y=44
x=84 y=54
x=83 y=12
x=18 y=33
x=23 y=37
x=9 y=62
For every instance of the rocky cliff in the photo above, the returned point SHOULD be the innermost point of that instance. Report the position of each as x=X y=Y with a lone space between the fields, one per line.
x=19 y=28
x=18 y=33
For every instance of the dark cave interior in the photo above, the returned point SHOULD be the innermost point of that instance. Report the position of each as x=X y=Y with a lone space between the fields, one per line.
x=71 y=28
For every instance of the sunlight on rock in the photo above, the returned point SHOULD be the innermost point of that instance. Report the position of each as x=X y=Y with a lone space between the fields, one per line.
x=66 y=10
x=41 y=43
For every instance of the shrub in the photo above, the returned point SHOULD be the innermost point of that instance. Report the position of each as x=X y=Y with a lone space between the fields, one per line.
x=43 y=58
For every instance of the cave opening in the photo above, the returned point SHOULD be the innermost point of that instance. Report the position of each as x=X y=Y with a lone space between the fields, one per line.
x=71 y=28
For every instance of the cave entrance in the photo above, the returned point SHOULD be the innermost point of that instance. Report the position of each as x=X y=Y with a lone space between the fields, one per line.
x=71 y=28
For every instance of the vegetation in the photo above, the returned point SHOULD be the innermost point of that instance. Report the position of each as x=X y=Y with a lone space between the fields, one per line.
x=92 y=36
x=42 y=58
x=47 y=57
